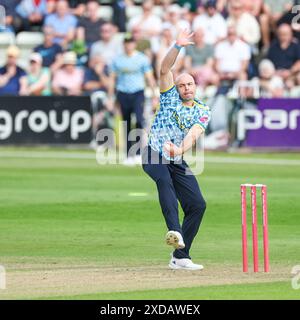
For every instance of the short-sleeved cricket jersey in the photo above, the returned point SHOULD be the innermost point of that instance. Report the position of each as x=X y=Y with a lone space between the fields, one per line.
x=130 y=71
x=173 y=120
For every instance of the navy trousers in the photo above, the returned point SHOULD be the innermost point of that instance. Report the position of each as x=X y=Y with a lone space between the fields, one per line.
x=132 y=103
x=173 y=185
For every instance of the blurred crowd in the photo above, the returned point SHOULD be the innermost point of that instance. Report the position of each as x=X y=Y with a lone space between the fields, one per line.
x=243 y=48
x=234 y=40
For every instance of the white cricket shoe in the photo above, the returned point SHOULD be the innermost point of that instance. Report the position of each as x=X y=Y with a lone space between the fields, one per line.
x=184 y=264
x=174 y=238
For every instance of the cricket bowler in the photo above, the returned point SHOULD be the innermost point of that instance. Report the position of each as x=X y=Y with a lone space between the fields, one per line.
x=179 y=122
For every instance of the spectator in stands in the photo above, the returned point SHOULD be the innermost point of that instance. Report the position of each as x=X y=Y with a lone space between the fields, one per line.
x=232 y=57
x=142 y=43
x=246 y=24
x=291 y=18
x=89 y=23
x=276 y=9
x=190 y=5
x=174 y=18
x=271 y=85
x=109 y=46
x=119 y=14
x=222 y=7
x=63 y=23
x=96 y=77
x=199 y=62
x=12 y=20
x=166 y=40
x=32 y=13
x=284 y=52
x=257 y=9
x=148 y=21
x=212 y=22
x=69 y=79
x=78 y=7
x=37 y=81
x=11 y=75
x=254 y=7
x=51 y=5
x=128 y=74
x=187 y=15
x=51 y=52
x=164 y=4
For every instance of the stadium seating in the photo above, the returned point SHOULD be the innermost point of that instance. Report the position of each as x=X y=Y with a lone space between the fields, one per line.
x=105 y=12
x=133 y=11
x=26 y=41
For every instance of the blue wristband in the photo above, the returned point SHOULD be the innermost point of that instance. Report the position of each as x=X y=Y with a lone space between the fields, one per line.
x=176 y=46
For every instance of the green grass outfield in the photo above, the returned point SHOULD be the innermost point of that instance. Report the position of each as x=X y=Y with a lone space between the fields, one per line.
x=72 y=229
x=251 y=291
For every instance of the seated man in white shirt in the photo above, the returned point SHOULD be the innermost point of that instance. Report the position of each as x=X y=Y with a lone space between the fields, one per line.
x=109 y=46
x=212 y=22
x=148 y=21
x=174 y=18
x=247 y=26
x=232 y=57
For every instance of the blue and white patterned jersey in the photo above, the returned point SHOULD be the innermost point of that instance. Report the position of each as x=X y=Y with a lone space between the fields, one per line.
x=130 y=71
x=173 y=121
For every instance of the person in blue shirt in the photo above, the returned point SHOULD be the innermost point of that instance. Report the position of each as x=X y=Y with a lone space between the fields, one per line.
x=96 y=77
x=284 y=52
x=51 y=52
x=129 y=73
x=180 y=120
x=90 y=24
x=32 y=13
x=63 y=22
x=13 y=22
x=12 y=77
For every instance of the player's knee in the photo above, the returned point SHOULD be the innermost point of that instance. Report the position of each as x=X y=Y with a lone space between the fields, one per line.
x=200 y=206
x=195 y=207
